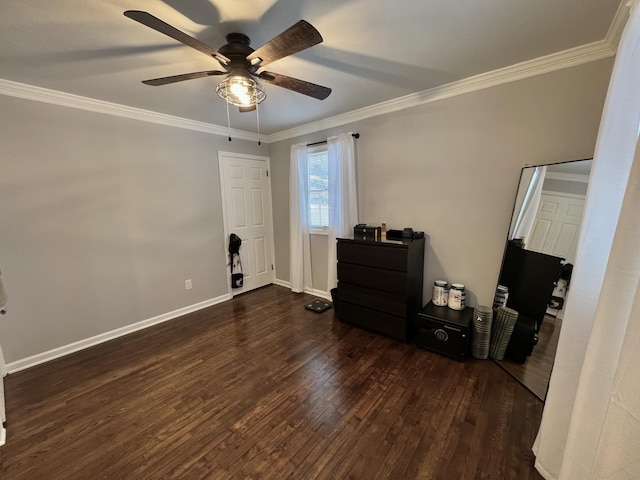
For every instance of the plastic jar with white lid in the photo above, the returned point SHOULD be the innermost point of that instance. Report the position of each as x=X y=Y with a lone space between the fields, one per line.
x=440 y=296
x=456 y=296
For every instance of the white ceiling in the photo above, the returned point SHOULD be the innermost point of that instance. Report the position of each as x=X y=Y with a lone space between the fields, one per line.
x=373 y=51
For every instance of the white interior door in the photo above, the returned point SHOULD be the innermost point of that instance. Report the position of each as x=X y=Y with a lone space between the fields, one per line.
x=246 y=199
x=557 y=225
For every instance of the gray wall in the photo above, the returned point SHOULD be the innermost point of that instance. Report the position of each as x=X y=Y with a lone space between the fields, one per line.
x=451 y=168
x=101 y=220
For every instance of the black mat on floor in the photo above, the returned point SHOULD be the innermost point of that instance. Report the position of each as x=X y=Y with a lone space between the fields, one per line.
x=318 y=306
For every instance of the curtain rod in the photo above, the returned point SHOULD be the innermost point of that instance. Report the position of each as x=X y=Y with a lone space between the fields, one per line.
x=355 y=135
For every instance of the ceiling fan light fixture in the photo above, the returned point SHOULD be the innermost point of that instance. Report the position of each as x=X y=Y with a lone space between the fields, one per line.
x=240 y=62
x=241 y=90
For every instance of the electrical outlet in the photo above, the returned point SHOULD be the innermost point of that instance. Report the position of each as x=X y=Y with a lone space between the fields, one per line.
x=187 y=284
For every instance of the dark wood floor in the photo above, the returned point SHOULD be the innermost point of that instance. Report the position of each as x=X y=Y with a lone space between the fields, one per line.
x=535 y=372
x=259 y=387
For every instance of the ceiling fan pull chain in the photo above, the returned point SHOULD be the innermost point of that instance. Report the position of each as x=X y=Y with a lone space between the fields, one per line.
x=258 y=120
x=228 y=121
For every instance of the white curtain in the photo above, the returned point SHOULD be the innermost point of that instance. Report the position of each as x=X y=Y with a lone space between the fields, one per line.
x=528 y=209
x=591 y=421
x=343 y=198
x=300 y=249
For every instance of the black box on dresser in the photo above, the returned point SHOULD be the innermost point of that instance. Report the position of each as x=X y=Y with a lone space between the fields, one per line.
x=444 y=330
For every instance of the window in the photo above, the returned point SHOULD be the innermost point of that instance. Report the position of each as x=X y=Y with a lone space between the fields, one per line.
x=318 y=187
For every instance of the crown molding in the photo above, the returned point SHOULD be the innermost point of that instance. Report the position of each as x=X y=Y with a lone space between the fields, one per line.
x=550 y=63
x=567 y=177
x=45 y=95
x=617 y=25
x=539 y=66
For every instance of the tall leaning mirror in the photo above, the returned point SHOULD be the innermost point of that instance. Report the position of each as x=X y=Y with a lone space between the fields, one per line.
x=537 y=265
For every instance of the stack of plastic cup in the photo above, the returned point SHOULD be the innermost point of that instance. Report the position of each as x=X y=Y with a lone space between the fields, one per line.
x=482 y=322
x=501 y=331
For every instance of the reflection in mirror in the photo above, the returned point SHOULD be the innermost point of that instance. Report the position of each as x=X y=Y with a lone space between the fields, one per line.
x=537 y=265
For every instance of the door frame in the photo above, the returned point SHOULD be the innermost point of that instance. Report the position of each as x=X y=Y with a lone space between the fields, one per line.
x=225 y=214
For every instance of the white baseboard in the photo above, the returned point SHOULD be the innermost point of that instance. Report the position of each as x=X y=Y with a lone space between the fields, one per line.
x=319 y=293
x=47 y=356
x=3 y=436
x=310 y=291
x=282 y=283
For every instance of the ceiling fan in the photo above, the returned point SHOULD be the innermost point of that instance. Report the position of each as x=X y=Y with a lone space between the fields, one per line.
x=241 y=63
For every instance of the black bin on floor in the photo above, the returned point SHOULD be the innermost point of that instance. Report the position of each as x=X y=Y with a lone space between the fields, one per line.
x=523 y=339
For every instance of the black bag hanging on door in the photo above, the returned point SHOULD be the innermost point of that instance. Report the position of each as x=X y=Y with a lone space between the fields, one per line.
x=234 y=244
x=237 y=277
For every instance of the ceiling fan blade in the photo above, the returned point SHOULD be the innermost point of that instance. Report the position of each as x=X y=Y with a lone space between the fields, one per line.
x=300 y=86
x=247 y=109
x=296 y=38
x=159 y=26
x=156 y=82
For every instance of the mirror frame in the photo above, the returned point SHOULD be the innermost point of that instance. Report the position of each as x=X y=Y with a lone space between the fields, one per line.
x=512 y=368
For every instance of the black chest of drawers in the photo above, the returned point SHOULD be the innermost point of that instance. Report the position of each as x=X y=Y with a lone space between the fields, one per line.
x=380 y=284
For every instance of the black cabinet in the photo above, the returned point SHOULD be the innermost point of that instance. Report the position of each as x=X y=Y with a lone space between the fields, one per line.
x=444 y=330
x=380 y=284
x=531 y=278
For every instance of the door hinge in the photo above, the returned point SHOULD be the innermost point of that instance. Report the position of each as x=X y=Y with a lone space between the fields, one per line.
x=272 y=266
x=267 y=173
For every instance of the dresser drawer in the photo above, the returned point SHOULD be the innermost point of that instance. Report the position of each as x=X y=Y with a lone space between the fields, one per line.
x=376 y=278
x=376 y=255
x=389 y=325
x=392 y=303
